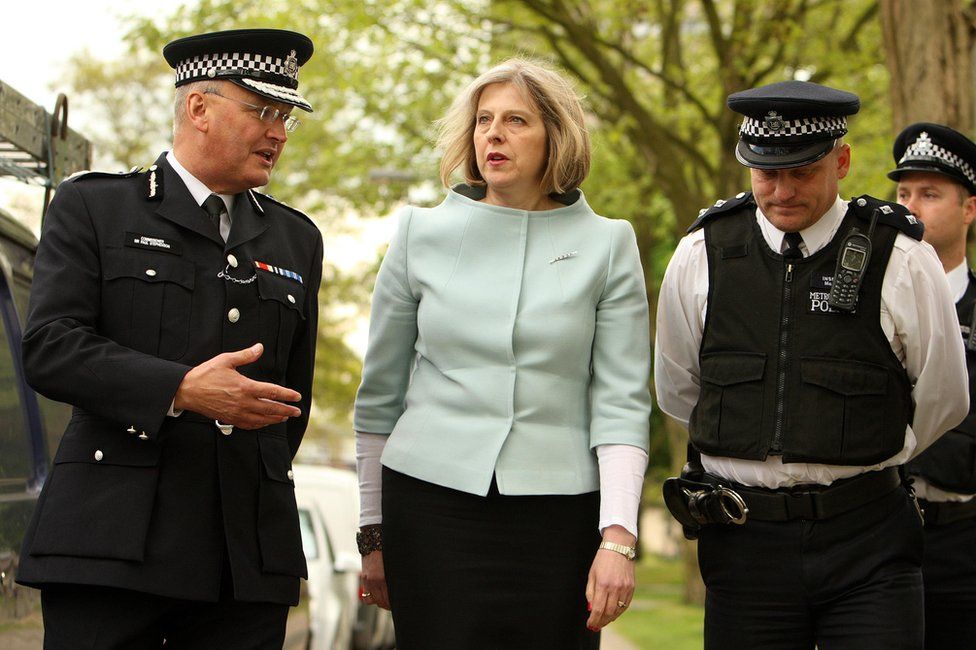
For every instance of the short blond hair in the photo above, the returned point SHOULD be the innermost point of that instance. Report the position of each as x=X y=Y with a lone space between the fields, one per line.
x=567 y=140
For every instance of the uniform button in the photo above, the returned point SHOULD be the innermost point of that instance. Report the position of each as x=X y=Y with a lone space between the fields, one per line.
x=291 y=299
x=151 y=272
x=131 y=429
x=740 y=195
x=232 y=261
x=291 y=475
x=234 y=315
x=862 y=202
x=99 y=455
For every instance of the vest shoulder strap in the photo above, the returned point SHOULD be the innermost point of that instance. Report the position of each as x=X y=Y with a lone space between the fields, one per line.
x=722 y=207
x=891 y=214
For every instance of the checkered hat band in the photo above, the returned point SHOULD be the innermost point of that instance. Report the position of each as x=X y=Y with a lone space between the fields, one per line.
x=792 y=128
x=198 y=66
x=931 y=152
x=279 y=92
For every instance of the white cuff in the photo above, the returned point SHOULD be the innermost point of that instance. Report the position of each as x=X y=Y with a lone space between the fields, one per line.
x=369 y=448
x=622 y=470
x=173 y=412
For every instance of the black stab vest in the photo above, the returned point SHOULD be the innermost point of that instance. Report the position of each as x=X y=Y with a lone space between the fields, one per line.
x=950 y=463
x=782 y=374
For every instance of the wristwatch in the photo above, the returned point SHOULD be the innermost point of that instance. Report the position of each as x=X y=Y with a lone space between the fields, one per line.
x=629 y=552
x=369 y=539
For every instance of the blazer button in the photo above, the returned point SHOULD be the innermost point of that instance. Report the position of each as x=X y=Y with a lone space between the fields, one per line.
x=291 y=299
x=234 y=315
x=291 y=475
x=232 y=261
x=99 y=455
x=151 y=272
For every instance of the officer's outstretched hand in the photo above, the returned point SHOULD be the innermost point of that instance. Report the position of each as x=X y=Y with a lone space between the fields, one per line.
x=215 y=389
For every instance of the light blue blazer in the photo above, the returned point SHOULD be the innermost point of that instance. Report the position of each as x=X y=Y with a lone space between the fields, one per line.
x=507 y=342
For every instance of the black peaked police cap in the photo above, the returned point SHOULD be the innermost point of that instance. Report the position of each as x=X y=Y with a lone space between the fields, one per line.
x=927 y=147
x=790 y=123
x=264 y=61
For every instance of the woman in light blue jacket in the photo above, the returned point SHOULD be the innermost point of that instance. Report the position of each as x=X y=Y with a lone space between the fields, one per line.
x=504 y=388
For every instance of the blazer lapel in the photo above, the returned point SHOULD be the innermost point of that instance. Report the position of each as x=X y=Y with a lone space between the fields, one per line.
x=179 y=207
x=249 y=220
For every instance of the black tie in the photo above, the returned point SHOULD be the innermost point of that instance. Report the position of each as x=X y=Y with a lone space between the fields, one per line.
x=214 y=206
x=793 y=241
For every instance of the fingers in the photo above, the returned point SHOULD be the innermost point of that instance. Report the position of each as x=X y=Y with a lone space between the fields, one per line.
x=373 y=590
x=241 y=357
x=609 y=589
x=273 y=392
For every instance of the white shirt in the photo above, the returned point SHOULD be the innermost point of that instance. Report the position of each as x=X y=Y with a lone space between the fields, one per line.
x=958 y=279
x=200 y=192
x=918 y=317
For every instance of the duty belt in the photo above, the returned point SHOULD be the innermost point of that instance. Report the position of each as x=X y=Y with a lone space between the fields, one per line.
x=712 y=500
x=940 y=513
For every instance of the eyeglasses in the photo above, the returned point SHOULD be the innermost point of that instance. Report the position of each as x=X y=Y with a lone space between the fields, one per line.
x=264 y=113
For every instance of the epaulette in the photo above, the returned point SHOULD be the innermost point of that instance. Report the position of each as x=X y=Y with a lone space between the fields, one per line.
x=892 y=214
x=722 y=206
x=87 y=174
x=252 y=197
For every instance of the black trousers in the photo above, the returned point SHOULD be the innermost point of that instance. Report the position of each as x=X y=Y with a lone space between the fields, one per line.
x=851 y=582
x=467 y=572
x=81 y=617
x=949 y=573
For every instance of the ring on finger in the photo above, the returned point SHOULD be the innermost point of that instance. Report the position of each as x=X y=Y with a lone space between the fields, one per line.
x=367 y=594
x=621 y=604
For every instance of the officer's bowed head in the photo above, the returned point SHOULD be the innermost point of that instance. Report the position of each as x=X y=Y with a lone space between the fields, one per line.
x=937 y=149
x=790 y=123
x=263 y=61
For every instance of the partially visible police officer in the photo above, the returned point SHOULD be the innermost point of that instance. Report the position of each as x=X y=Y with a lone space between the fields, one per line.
x=811 y=346
x=936 y=175
x=175 y=308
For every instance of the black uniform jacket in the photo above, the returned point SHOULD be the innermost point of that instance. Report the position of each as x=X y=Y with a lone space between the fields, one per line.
x=133 y=286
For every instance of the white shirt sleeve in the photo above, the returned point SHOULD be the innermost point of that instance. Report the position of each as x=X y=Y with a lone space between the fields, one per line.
x=622 y=470
x=926 y=339
x=680 y=319
x=369 y=448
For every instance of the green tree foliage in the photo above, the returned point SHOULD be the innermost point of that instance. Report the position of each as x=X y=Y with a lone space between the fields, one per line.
x=654 y=73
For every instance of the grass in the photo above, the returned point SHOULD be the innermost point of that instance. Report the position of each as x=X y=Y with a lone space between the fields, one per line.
x=658 y=619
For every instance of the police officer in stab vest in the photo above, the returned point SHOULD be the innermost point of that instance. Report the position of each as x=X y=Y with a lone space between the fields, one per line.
x=936 y=175
x=810 y=345
x=175 y=308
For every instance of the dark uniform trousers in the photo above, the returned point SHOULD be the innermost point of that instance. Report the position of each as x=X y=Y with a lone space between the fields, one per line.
x=133 y=287
x=850 y=582
x=949 y=571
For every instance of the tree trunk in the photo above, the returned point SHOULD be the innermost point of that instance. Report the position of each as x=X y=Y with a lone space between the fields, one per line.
x=928 y=52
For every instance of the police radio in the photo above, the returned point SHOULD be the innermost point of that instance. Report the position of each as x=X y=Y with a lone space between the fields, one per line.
x=852 y=262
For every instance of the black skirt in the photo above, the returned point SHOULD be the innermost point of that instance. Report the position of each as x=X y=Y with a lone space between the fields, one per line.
x=467 y=572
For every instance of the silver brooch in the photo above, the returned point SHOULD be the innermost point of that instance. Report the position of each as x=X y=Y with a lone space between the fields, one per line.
x=563 y=256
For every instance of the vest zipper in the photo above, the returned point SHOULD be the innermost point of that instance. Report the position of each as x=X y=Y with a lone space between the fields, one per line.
x=784 y=357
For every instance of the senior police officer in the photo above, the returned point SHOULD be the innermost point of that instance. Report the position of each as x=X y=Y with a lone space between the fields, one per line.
x=936 y=176
x=810 y=345
x=175 y=309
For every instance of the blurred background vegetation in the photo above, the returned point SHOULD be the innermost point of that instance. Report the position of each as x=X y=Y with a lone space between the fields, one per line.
x=654 y=74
